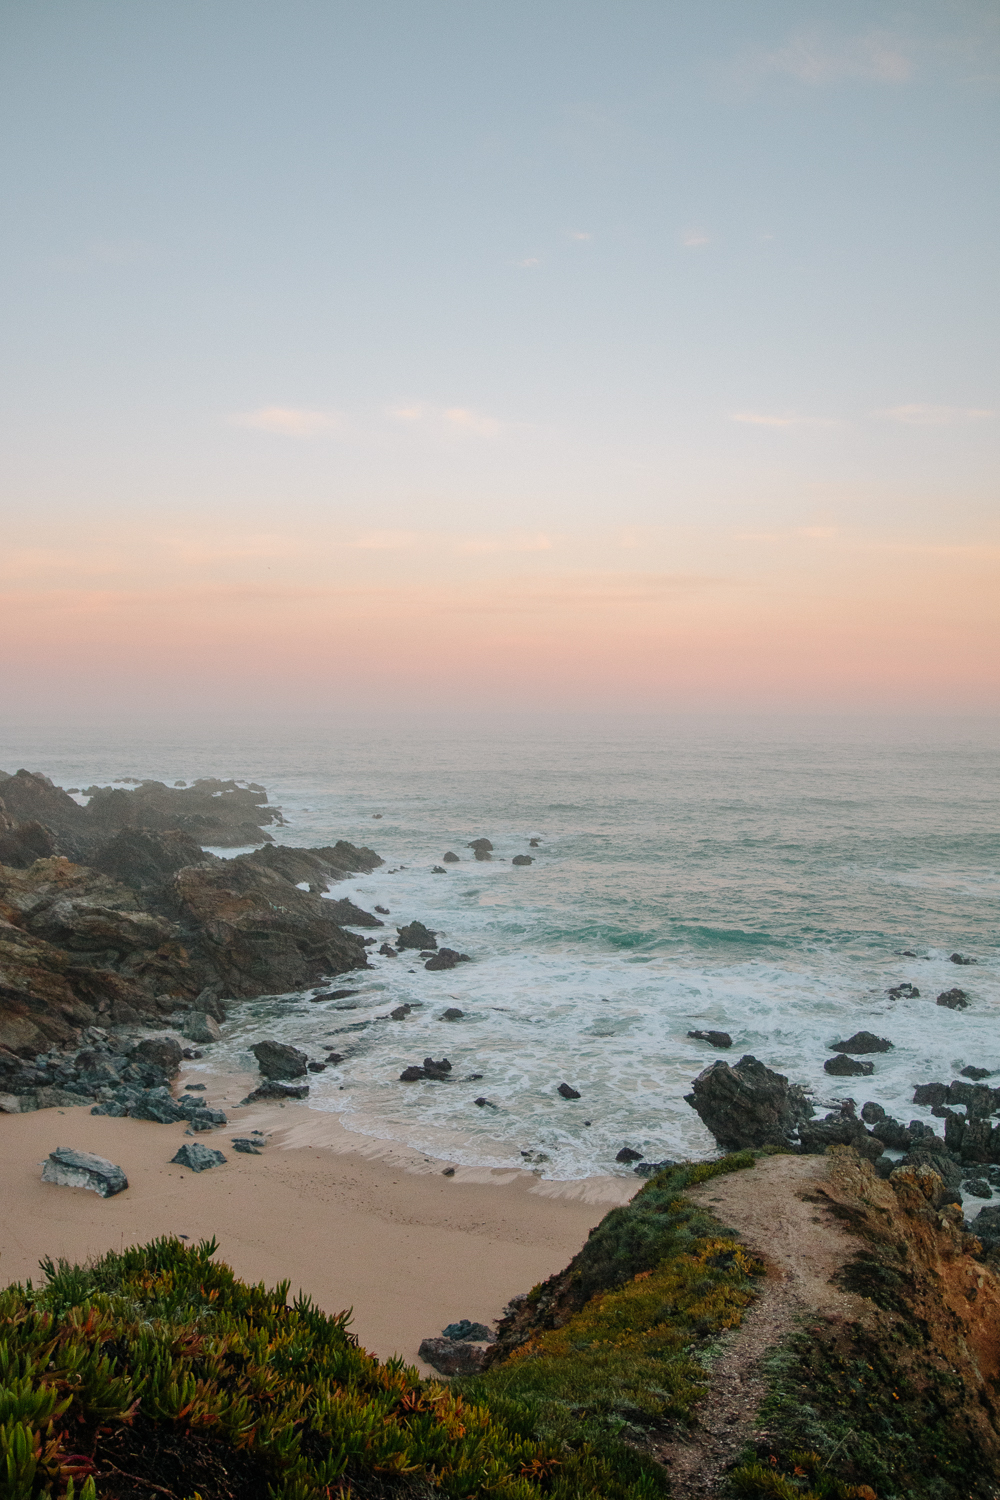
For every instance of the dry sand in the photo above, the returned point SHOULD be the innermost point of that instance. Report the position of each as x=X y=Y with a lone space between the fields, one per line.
x=352 y=1221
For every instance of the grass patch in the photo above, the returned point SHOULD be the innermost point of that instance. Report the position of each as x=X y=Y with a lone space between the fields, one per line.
x=608 y=1350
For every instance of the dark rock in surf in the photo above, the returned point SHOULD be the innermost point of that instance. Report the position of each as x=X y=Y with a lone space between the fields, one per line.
x=481 y=846
x=316 y=1067
x=863 y=1041
x=843 y=1066
x=977 y=1187
x=346 y=914
x=533 y=843
x=438 y=870
x=929 y=1094
x=437 y=1069
x=837 y=1130
x=893 y=1134
x=416 y=935
x=626 y=1154
x=568 y=1092
x=163 y=1051
x=958 y=958
x=955 y=999
x=447 y=958
x=522 y=859
x=388 y=952
x=277 y=1060
x=453 y=1014
x=903 y=992
x=450 y=858
x=976 y=1073
x=871 y=1112
x=748 y=1105
x=383 y=911
x=714 y=1038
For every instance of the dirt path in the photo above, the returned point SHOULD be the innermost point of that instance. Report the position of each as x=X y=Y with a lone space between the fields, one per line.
x=803 y=1244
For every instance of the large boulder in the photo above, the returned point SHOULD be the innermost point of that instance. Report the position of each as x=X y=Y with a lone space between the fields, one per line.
x=197 y=1157
x=748 y=1105
x=279 y=1060
x=68 y=1168
x=862 y=1042
x=453 y=1356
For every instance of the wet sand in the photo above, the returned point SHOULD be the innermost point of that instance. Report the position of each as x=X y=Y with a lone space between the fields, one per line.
x=352 y=1221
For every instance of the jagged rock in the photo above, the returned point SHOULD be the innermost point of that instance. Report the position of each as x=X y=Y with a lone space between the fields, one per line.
x=986 y=1226
x=626 y=1154
x=452 y=1357
x=447 y=958
x=387 y=952
x=145 y=859
x=955 y=999
x=199 y=1027
x=973 y=1072
x=567 y=1091
x=958 y=958
x=333 y=1058
x=936 y=1161
x=209 y=1001
x=214 y=812
x=272 y=1089
x=412 y=1074
x=924 y=1182
x=466 y=1331
x=199 y=1158
x=450 y=858
x=929 y=1094
x=22 y=843
x=904 y=991
x=400 y=1013
x=247 y=1145
x=348 y=915
x=438 y=870
x=316 y=1067
x=162 y=1051
x=843 y=1066
x=68 y=1168
x=749 y=1104
x=714 y=1038
x=382 y=910
x=158 y=1105
x=522 y=859
x=416 y=935
x=892 y=1133
x=861 y=1042
x=453 y=1014
x=278 y=1060
x=816 y=1135
x=871 y=1112
x=439 y=1069
x=261 y=934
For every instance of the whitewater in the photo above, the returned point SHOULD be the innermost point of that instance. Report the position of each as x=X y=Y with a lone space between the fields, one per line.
x=773 y=882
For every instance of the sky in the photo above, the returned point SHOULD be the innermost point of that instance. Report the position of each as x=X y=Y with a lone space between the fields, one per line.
x=510 y=353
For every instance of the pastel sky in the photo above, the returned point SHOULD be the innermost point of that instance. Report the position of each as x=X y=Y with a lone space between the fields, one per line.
x=639 y=353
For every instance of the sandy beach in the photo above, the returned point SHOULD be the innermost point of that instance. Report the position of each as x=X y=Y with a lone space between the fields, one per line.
x=354 y=1222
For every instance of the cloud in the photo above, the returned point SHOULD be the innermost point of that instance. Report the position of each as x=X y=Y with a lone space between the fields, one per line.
x=766 y=419
x=694 y=238
x=580 y=234
x=291 y=421
x=448 y=419
x=817 y=58
x=918 y=415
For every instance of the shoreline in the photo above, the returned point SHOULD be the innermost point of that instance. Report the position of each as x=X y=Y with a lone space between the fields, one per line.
x=350 y=1220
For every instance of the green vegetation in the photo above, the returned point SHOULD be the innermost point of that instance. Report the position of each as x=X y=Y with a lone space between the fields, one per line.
x=157 y=1372
x=654 y=1282
x=889 y=1419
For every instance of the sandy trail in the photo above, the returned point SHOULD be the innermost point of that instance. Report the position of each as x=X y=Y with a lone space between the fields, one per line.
x=351 y=1221
x=803 y=1245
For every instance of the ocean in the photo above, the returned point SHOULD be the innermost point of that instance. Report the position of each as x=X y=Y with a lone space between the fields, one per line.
x=771 y=879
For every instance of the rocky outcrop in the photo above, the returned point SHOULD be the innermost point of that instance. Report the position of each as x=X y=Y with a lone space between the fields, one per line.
x=862 y=1042
x=446 y=958
x=843 y=1066
x=749 y=1104
x=954 y=999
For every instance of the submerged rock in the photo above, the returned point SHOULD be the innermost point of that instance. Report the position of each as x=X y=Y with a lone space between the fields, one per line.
x=714 y=1038
x=843 y=1066
x=863 y=1041
x=68 y=1168
x=748 y=1105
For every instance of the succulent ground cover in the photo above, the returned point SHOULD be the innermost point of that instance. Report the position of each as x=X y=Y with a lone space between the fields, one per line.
x=155 y=1372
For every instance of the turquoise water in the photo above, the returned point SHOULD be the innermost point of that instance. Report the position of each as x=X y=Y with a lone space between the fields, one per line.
x=759 y=878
